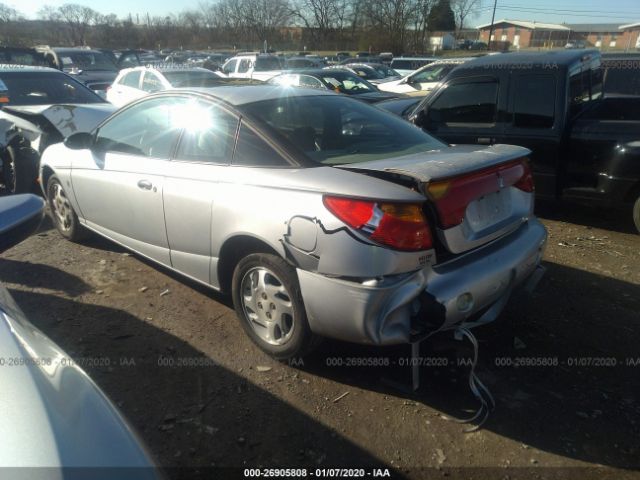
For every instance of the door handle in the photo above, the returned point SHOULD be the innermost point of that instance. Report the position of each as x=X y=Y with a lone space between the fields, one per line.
x=486 y=141
x=145 y=184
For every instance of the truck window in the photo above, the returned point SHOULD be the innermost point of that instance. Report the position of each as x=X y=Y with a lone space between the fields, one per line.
x=474 y=102
x=534 y=104
x=245 y=65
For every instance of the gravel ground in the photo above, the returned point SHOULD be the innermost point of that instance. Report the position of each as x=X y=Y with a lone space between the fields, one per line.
x=562 y=365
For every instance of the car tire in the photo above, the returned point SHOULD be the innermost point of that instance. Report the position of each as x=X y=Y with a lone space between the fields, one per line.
x=636 y=214
x=62 y=213
x=19 y=169
x=268 y=302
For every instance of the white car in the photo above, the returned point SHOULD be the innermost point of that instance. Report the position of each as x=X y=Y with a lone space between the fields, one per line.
x=256 y=66
x=424 y=80
x=134 y=83
x=407 y=65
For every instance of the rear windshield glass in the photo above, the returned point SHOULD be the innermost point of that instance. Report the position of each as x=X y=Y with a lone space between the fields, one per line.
x=332 y=130
x=192 y=79
x=23 y=58
x=88 y=61
x=346 y=82
x=43 y=88
x=264 y=64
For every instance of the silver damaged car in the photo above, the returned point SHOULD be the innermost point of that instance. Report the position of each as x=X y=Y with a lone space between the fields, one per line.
x=321 y=215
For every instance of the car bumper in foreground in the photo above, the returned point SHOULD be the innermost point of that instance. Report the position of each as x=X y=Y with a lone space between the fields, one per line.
x=471 y=288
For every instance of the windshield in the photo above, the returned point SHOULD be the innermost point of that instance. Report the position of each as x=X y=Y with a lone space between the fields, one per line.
x=431 y=73
x=186 y=78
x=17 y=57
x=347 y=82
x=367 y=73
x=43 y=88
x=264 y=64
x=385 y=71
x=332 y=130
x=87 y=61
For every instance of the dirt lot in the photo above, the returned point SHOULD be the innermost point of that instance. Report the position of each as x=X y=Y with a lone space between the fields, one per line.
x=201 y=395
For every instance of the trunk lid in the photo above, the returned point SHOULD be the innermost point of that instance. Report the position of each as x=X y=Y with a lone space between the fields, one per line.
x=475 y=194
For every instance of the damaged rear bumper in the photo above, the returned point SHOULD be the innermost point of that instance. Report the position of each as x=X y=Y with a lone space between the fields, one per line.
x=399 y=309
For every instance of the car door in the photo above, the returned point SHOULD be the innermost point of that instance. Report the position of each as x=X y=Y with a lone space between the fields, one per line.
x=535 y=103
x=118 y=184
x=192 y=185
x=229 y=68
x=466 y=111
x=127 y=89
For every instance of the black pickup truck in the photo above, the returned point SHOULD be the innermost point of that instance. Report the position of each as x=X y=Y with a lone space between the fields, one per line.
x=585 y=144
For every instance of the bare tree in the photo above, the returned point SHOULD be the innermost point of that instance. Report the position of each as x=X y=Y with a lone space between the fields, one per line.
x=462 y=9
x=392 y=19
x=77 y=18
x=323 y=18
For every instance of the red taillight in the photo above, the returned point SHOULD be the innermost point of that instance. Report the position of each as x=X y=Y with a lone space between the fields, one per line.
x=452 y=196
x=398 y=225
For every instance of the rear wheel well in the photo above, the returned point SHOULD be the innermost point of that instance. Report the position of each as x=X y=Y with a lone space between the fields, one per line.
x=633 y=193
x=235 y=249
x=46 y=175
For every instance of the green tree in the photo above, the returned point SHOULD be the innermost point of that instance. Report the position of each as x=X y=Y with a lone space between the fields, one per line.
x=441 y=17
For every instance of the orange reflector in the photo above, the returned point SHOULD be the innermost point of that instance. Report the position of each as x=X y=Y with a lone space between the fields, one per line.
x=403 y=211
x=437 y=190
x=4 y=99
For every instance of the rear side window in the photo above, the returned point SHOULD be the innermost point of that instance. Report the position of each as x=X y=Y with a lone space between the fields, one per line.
x=151 y=83
x=466 y=103
x=209 y=133
x=252 y=151
x=131 y=79
x=534 y=103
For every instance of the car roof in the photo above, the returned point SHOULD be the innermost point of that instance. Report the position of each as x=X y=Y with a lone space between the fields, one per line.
x=559 y=58
x=27 y=68
x=166 y=68
x=416 y=58
x=238 y=95
x=74 y=50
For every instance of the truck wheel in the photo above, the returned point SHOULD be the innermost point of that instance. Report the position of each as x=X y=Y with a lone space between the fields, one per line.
x=64 y=218
x=268 y=302
x=636 y=214
x=19 y=169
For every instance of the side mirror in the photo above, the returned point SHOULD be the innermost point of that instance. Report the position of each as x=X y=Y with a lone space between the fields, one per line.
x=79 y=141
x=20 y=216
x=419 y=118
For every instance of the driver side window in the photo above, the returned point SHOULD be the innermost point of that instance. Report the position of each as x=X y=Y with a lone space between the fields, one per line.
x=148 y=129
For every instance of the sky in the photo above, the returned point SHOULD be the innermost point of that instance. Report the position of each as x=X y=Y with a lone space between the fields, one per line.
x=552 y=11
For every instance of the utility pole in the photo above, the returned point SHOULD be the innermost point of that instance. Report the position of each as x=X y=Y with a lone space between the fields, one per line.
x=493 y=17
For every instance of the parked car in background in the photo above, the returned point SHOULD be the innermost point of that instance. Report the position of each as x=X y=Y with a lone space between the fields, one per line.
x=424 y=80
x=47 y=400
x=372 y=72
x=23 y=56
x=336 y=80
x=585 y=145
x=621 y=74
x=407 y=65
x=576 y=44
x=134 y=83
x=91 y=67
x=404 y=234
x=297 y=63
x=478 y=45
x=138 y=58
x=40 y=106
x=253 y=65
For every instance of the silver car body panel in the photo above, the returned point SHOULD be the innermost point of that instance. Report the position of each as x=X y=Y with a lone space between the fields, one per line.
x=380 y=312
x=191 y=212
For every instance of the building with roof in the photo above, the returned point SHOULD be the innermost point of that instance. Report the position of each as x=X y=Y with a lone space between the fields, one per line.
x=525 y=34
x=630 y=36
